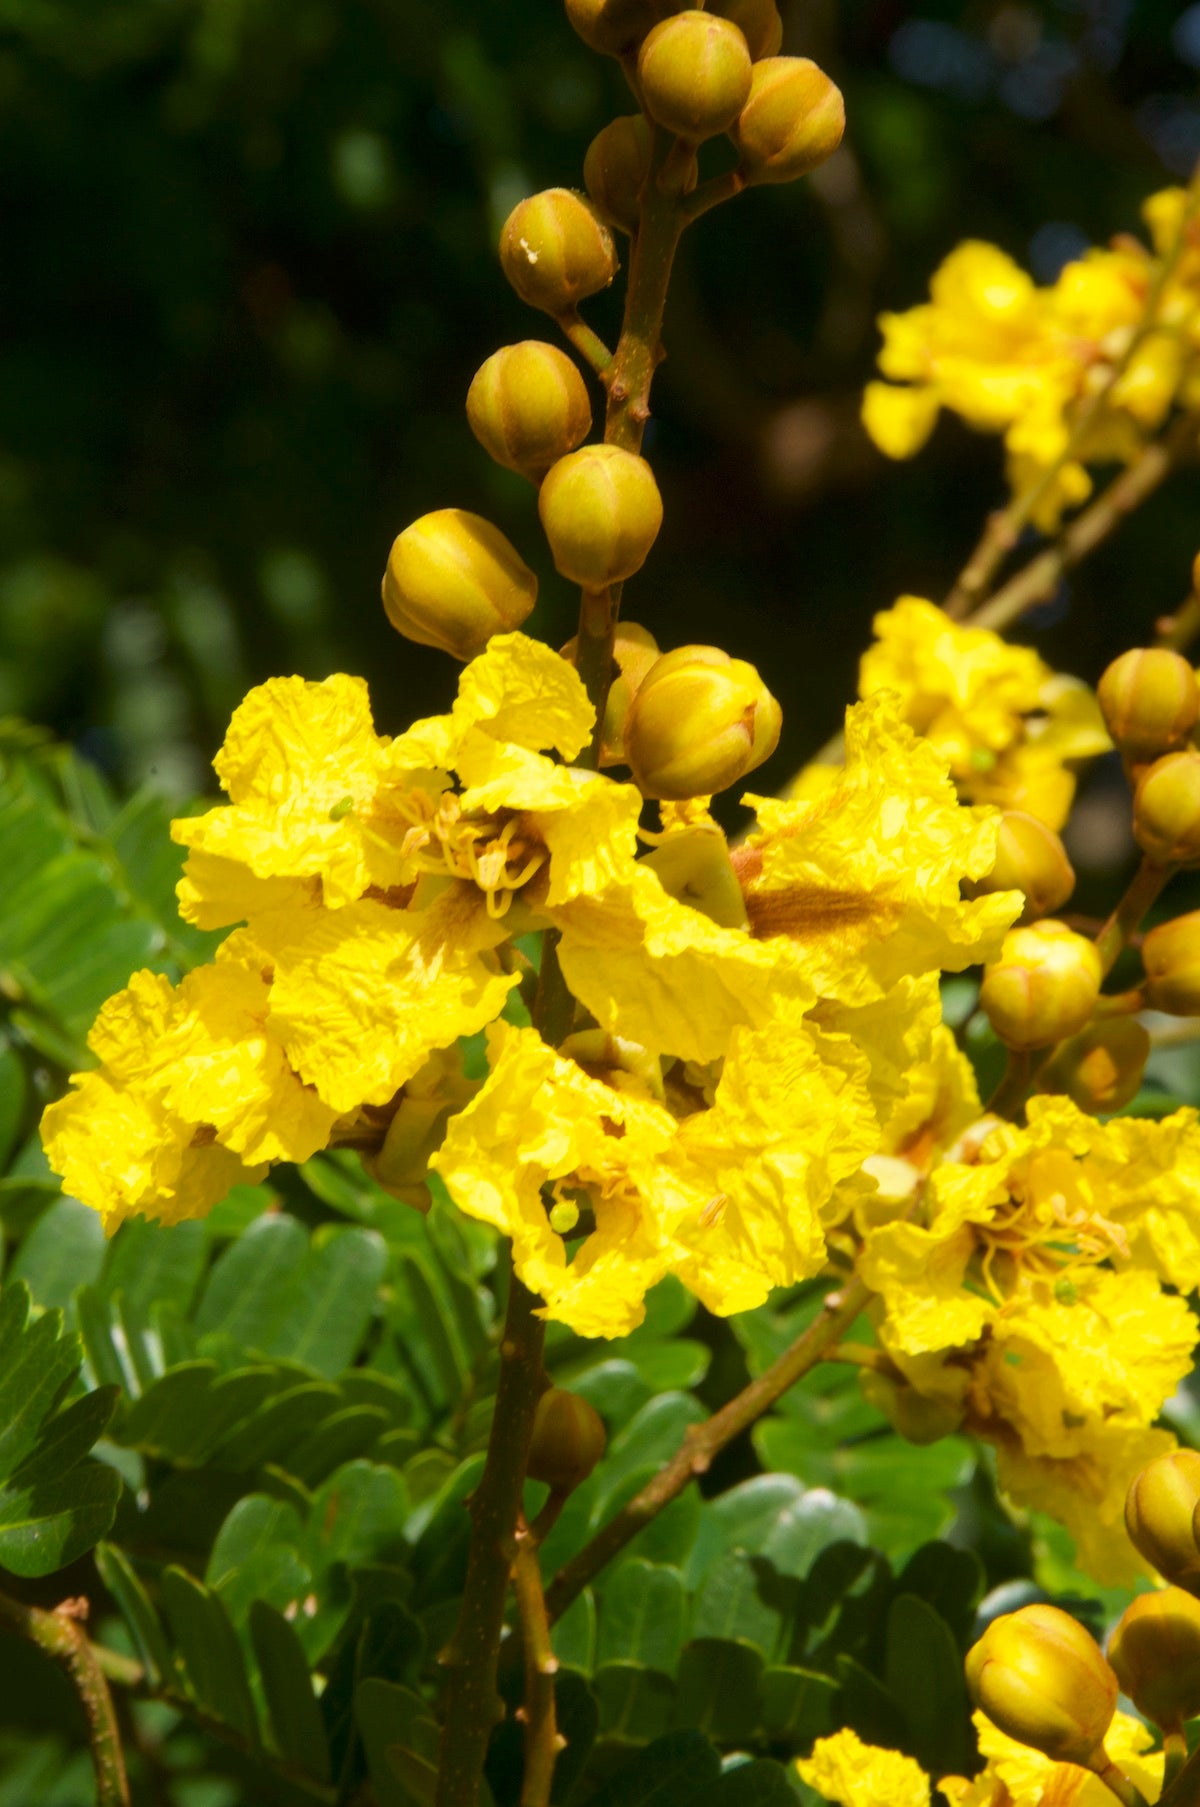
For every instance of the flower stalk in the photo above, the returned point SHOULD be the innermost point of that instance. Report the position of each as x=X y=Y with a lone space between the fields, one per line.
x=61 y=1637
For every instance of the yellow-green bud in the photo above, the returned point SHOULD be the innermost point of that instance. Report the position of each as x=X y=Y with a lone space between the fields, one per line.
x=1150 y=701
x=1166 y=810
x=1101 y=1069
x=568 y=1440
x=793 y=120
x=1043 y=987
x=601 y=512
x=1160 y=1512
x=694 y=72
x=699 y=723
x=1155 y=1651
x=916 y=1417
x=1029 y=858
x=635 y=650
x=1171 y=956
x=453 y=580
x=528 y=406
x=1043 y=1680
x=758 y=21
x=613 y=27
x=556 y=250
x=614 y=169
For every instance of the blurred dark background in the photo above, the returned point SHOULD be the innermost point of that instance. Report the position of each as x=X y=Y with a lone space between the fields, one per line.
x=248 y=272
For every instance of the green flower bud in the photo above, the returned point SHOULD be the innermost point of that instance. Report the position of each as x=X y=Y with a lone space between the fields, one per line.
x=694 y=72
x=528 y=407
x=1166 y=810
x=1029 y=858
x=1101 y=1069
x=1043 y=1680
x=1171 y=956
x=601 y=512
x=700 y=722
x=1150 y=701
x=757 y=20
x=635 y=650
x=1044 y=986
x=453 y=581
x=793 y=120
x=556 y=250
x=568 y=1440
x=1160 y=1512
x=1155 y=1651
x=614 y=27
x=917 y=1418
x=615 y=167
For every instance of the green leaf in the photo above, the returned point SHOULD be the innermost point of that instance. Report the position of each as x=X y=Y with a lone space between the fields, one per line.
x=142 y=1621
x=578 y=1718
x=37 y=1365
x=341 y=1437
x=635 y=1703
x=297 y=1728
x=209 y=1649
x=269 y=1434
x=643 y=1616
x=395 y=1724
x=66 y=1438
x=149 y=1263
x=924 y=1675
x=719 y=1688
x=43 y=1528
x=256 y=1556
x=574 y=1635
x=797 y=1705
x=64 y=1250
x=649 y=1439
x=867 y=1706
x=730 y=1604
x=251 y=1284
x=679 y=1770
x=166 y=1411
x=949 y=1579
x=330 y=1301
x=761 y=1783
x=14 y=1089
x=358 y=1517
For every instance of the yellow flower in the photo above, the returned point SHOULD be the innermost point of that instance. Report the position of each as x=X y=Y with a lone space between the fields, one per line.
x=194 y=1094
x=854 y=1774
x=865 y=879
x=727 y=1196
x=1016 y=1776
x=1005 y=723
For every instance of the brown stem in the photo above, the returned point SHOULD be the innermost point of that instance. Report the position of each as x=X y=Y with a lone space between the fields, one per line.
x=640 y=350
x=1004 y=528
x=703 y=1441
x=62 y=1638
x=1037 y=581
x=1143 y=890
x=543 y=1740
x=1177 y=631
x=713 y=192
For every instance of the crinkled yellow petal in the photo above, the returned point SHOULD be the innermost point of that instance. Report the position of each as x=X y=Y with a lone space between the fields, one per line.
x=854 y=1774
x=363 y=995
x=517 y=690
x=120 y=1150
x=215 y=892
x=919 y=1275
x=865 y=881
x=899 y=419
x=1029 y=1777
x=662 y=974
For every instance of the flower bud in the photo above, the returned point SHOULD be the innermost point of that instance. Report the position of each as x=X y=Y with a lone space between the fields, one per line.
x=568 y=1440
x=613 y=27
x=699 y=723
x=528 y=407
x=793 y=120
x=1101 y=1069
x=614 y=169
x=1166 y=810
x=1029 y=858
x=757 y=20
x=1160 y=1512
x=1044 y=986
x=1041 y=1678
x=601 y=512
x=694 y=72
x=453 y=580
x=556 y=250
x=1155 y=1651
x=1150 y=701
x=635 y=650
x=1171 y=956
x=913 y=1415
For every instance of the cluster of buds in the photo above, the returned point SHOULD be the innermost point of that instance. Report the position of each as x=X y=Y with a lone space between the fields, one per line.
x=1042 y=1678
x=692 y=721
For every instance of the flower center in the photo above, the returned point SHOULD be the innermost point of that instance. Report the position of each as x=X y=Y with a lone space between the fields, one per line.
x=497 y=853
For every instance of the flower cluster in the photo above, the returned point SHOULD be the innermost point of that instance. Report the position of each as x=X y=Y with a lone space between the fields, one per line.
x=1121 y=323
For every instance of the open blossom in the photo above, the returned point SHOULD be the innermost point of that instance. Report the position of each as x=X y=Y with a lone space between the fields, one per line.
x=854 y=1774
x=1020 y=1276
x=1015 y=1775
x=1010 y=357
x=1010 y=728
